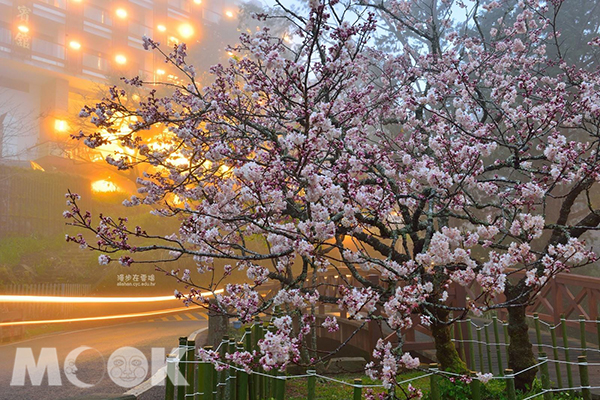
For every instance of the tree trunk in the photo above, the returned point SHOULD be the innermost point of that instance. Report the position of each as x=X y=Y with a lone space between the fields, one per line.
x=218 y=324
x=520 y=350
x=446 y=352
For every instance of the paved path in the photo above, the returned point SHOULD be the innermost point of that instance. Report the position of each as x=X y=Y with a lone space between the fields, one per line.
x=158 y=336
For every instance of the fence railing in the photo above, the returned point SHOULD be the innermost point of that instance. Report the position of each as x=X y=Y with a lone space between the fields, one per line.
x=481 y=349
x=188 y=377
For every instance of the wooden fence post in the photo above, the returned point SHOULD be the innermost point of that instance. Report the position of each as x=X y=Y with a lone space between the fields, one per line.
x=475 y=386
x=584 y=378
x=208 y=379
x=461 y=348
x=555 y=354
x=497 y=340
x=506 y=340
x=471 y=344
x=312 y=383
x=222 y=375
x=582 y=334
x=433 y=382
x=538 y=332
x=232 y=374
x=251 y=377
x=487 y=348
x=598 y=329
x=190 y=357
x=181 y=352
x=510 y=384
x=357 y=389
x=545 y=375
x=242 y=379
x=480 y=345
x=563 y=325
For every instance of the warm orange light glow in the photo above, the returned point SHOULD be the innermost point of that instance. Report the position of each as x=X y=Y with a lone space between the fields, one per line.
x=135 y=97
x=65 y=299
x=225 y=170
x=75 y=45
x=160 y=72
x=36 y=167
x=230 y=53
x=58 y=321
x=173 y=40
x=120 y=59
x=60 y=125
x=186 y=30
x=161 y=28
x=198 y=1
x=121 y=13
x=23 y=28
x=229 y=14
x=104 y=186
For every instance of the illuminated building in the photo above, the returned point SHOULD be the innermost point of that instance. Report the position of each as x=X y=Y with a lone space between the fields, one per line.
x=53 y=53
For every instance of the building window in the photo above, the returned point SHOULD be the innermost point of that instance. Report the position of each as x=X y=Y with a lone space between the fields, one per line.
x=139 y=30
x=56 y=3
x=95 y=61
x=48 y=48
x=97 y=14
x=4 y=35
x=180 y=4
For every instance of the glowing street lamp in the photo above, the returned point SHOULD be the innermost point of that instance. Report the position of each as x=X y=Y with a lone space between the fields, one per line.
x=60 y=125
x=23 y=28
x=75 y=45
x=198 y=1
x=120 y=59
x=161 y=28
x=160 y=72
x=121 y=13
x=186 y=30
x=229 y=14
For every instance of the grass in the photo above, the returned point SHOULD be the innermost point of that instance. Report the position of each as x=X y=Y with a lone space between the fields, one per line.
x=326 y=389
x=296 y=389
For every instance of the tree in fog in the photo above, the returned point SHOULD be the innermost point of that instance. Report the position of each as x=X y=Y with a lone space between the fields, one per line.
x=452 y=159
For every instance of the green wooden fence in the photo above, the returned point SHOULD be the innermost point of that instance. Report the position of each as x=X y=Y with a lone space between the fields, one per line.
x=224 y=381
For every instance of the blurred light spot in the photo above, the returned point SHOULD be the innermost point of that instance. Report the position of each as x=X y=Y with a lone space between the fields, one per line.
x=60 y=125
x=160 y=72
x=121 y=13
x=229 y=14
x=90 y=299
x=23 y=28
x=186 y=30
x=75 y=45
x=104 y=186
x=120 y=59
x=161 y=28
x=36 y=167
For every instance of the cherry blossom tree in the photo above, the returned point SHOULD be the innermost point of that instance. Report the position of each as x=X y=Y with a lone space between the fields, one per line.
x=461 y=162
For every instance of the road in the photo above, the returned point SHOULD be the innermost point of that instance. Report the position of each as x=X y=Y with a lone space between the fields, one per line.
x=114 y=358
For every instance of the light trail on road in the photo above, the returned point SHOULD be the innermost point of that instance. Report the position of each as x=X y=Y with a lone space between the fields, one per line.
x=66 y=299
x=106 y=317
